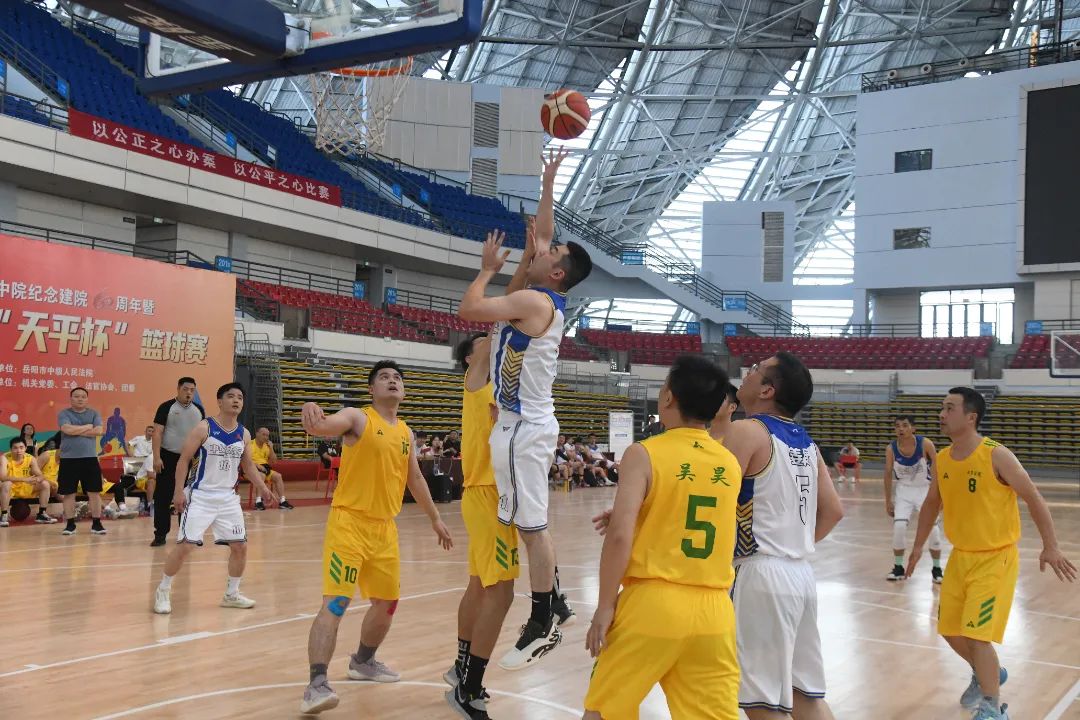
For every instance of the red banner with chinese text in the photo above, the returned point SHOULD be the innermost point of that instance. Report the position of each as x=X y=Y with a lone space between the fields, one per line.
x=122 y=327
x=106 y=131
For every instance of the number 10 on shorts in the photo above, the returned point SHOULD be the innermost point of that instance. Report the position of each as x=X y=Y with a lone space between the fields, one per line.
x=338 y=569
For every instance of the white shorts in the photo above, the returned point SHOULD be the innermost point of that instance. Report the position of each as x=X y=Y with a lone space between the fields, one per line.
x=218 y=511
x=521 y=454
x=777 y=634
x=908 y=500
x=146 y=468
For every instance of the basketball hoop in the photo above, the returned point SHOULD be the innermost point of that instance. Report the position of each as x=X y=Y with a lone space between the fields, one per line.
x=352 y=106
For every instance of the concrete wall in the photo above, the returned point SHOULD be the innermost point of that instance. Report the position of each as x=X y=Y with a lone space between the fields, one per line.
x=75 y=216
x=895 y=308
x=732 y=247
x=1054 y=297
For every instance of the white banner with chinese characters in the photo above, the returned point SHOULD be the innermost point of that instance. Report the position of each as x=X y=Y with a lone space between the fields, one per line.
x=124 y=328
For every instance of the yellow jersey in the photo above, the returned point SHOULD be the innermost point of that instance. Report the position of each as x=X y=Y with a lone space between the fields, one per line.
x=260 y=455
x=371 y=479
x=685 y=531
x=50 y=465
x=476 y=424
x=19 y=469
x=981 y=512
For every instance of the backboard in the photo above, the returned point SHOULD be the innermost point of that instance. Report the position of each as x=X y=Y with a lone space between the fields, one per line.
x=321 y=35
x=1065 y=354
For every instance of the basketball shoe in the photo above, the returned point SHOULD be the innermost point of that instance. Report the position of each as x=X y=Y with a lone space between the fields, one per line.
x=535 y=642
x=897 y=573
x=973 y=695
x=563 y=612
x=237 y=601
x=162 y=601
x=937 y=575
x=988 y=711
x=318 y=698
x=471 y=708
x=371 y=671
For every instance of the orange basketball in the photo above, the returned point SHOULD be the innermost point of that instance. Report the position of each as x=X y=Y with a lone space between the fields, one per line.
x=565 y=114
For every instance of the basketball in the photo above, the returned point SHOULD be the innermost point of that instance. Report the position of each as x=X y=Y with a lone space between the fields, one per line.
x=565 y=114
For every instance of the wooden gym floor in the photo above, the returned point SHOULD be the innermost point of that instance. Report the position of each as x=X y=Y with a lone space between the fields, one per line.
x=80 y=640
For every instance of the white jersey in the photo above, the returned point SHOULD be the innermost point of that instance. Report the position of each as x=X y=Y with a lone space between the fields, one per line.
x=524 y=367
x=216 y=465
x=913 y=471
x=777 y=512
x=142 y=447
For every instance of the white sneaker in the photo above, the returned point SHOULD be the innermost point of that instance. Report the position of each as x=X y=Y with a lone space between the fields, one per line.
x=3 y=520
x=162 y=601
x=237 y=601
x=533 y=644
x=318 y=698
x=371 y=671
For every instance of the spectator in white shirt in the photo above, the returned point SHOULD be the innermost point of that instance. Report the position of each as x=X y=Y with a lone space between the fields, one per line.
x=142 y=448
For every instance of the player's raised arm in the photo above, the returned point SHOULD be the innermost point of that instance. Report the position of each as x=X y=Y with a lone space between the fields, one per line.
x=635 y=472
x=830 y=510
x=520 y=278
x=194 y=441
x=347 y=421
x=889 y=460
x=420 y=492
x=478 y=307
x=247 y=466
x=1009 y=469
x=545 y=212
x=927 y=517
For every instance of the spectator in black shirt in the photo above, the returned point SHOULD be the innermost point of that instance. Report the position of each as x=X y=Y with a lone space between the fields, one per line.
x=452 y=444
x=327 y=449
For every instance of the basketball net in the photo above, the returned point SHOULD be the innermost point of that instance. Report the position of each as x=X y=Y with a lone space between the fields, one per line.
x=352 y=106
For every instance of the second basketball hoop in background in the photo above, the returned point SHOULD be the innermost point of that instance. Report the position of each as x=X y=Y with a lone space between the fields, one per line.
x=565 y=114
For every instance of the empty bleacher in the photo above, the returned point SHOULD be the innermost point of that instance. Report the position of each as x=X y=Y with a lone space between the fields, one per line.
x=1040 y=430
x=1034 y=352
x=432 y=403
x=95 y=85
x=643 y=347
x=872 y=353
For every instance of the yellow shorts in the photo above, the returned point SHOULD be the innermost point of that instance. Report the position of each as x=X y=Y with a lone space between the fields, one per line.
x=493 y=547
x=26 y=491
x=140 y=483
x=977 y=593
x=361 y=551
x=680 y=636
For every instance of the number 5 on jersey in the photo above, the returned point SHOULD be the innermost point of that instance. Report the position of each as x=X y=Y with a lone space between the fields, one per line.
x=694 y=503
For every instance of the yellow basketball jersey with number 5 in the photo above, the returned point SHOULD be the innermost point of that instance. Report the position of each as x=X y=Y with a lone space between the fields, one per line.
x=685 y=530
x=981 y=512
x=374 y=469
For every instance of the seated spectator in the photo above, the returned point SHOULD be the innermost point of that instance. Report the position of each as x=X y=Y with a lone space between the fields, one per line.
x=423 y=447
x=560 y=468
x=327 y=449
x=452 y=444
x=848 y=459
x=142 y=448
x=653 y=426
x=262 y=454
x=436 y=445
x=21 y=478
x=597 y=458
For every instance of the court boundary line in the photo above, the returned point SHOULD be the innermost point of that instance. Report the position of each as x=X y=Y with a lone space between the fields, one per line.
x=1058 y=711
x=277 y=686
x=201 y=635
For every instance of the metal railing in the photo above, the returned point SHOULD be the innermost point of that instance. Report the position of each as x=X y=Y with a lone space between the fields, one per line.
x=1004 y=61
x=35 y=70
x=222 y=123
x=40 y=112
x=1049 y=326
x=426 y=301
x=61 y=237
x=376 y=324
x=289 y=277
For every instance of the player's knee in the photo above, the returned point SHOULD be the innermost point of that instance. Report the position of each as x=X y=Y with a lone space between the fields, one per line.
x=337 y=605
x=238 y=548
x=390 y=607
x=591 y=715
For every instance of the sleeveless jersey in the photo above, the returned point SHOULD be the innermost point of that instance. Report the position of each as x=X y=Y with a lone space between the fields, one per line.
x=216 y=465
x=476 y=424
x=19 y=469
x=778 y=507
x=260 y=455
x=980 y=512
x=523 y=367
x=50 y=465
x=685 y=530
x=913 y=471
x=371 y=479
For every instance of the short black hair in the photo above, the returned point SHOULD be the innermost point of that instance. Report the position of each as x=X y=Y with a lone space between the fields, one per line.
x=904 y=418
x=185 y=380
x=792 y=382
x=699 y=386
x=15 y=441
x=382 y=365
x=974 y=402
x=77 y=388
x=733 y=396
x=576 y=265
x=229 y=386
x=465 y=349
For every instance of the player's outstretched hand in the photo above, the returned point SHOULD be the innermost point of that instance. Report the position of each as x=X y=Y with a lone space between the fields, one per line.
x=916 y=554
x=596 y=639
x=889 y=509
x=1060 y=564
x=494 y=257
x=600 y=522
x=179 y=501
x=269 y=496
x=552 y=162
x=443 y=532
x=311 y=415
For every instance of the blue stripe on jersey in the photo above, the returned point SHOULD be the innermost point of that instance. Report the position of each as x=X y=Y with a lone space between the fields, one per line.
x=557 y=298
x=200 y=469
x=915 y=456
x=511 y=359
x=788 y=432
x=745 y=544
